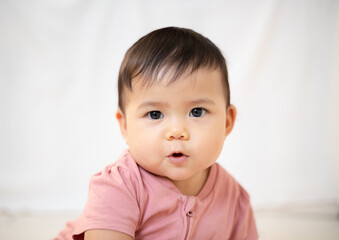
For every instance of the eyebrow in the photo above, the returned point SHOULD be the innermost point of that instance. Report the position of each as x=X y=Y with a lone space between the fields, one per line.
x=203 y=101
x=165 y=104
x=152 y=104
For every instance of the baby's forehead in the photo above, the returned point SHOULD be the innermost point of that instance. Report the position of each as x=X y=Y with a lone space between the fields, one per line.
x=171 y=77
x=199 y=84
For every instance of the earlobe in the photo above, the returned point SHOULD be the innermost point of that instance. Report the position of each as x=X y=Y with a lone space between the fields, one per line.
x=120 y=116
x=231 y=114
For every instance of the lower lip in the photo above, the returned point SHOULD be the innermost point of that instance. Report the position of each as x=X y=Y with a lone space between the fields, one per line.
x=177 y=160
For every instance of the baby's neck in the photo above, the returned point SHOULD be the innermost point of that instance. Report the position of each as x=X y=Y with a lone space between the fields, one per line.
x=193 y=185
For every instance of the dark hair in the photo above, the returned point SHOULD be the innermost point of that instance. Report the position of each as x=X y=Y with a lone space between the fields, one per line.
x=172 y=48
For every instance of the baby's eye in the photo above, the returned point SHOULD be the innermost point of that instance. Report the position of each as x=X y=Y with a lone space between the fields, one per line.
x=197 y=112
x=155 y=115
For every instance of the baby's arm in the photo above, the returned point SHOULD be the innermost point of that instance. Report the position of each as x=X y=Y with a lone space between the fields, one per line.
x=106 y=235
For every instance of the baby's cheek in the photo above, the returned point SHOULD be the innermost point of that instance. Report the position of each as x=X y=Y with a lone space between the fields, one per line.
x=214 y=143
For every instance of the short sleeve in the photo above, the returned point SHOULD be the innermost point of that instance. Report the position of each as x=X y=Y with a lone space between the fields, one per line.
x=112 y=203
x=244 y=226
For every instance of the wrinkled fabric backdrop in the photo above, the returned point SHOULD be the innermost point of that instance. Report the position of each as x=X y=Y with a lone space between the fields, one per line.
x=59 y=62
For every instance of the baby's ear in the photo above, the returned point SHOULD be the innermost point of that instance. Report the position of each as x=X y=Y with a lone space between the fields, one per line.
x=231 y=114
x=120 y=116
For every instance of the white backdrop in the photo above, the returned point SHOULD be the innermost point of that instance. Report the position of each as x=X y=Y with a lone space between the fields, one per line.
x=58 y=70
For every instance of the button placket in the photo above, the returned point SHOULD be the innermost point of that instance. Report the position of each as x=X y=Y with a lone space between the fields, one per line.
x=189 y=211
x=189 y=206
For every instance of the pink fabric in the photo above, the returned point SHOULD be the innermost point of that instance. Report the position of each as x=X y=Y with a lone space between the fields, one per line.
x=126 y=198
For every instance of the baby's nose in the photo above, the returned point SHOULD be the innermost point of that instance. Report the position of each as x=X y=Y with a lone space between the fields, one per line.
x=177 y=133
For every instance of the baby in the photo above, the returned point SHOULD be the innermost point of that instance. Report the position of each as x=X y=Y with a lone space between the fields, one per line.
x=174 y=114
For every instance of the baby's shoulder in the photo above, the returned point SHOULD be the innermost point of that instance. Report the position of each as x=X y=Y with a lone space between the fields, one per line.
x=228 y=184
x=122 y=173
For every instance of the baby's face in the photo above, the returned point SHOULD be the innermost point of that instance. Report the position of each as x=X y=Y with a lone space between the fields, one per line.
x=177 y=130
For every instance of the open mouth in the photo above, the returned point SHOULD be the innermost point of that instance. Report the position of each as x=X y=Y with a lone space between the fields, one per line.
x=177 y=154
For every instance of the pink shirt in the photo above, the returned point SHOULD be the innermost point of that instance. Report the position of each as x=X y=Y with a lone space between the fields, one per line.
x=124 y=197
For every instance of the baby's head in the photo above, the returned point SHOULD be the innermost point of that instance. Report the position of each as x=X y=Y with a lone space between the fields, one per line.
x=172 y=51
x=174 y=105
